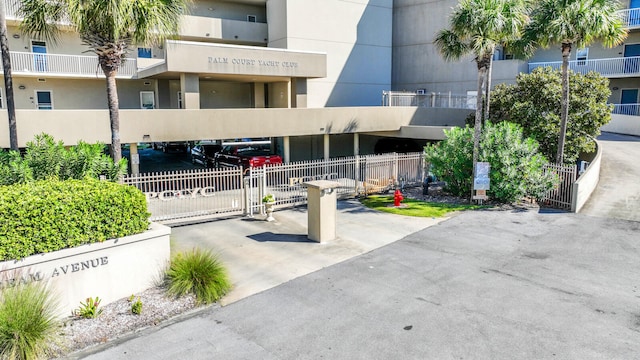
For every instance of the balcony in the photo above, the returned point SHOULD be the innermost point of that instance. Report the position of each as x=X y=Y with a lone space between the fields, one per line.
x=626 y=109
x=429 y=100
x=631 y=18
x=74 y=66
x=224 y=30
x=11 y=9
x=612 y=68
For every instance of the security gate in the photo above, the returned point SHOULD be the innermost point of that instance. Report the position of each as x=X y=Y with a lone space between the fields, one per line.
x=193 y=194
x=198 y=195
x=562 y=195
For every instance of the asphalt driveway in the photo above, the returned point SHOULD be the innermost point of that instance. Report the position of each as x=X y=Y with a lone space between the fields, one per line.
x=618 y=192
x=482 y=285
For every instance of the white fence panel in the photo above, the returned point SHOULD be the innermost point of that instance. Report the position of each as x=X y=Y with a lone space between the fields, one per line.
x=429 y=100
x=191 y=193
x=178 y=196
x=621 y=66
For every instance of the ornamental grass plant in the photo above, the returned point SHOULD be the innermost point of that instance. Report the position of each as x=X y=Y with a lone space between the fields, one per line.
x=198 y=272
x=28 y=325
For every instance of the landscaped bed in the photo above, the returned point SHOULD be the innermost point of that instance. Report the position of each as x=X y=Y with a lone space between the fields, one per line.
x=415 y=207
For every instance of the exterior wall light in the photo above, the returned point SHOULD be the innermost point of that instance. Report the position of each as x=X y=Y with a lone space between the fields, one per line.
x=22 y=87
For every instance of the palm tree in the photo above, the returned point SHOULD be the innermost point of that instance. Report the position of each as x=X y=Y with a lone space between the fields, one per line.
x=8 y=79
x=109 y=28
x=579 y=23
x=477 y=27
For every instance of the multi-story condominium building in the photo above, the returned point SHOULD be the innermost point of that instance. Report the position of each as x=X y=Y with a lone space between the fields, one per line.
x=312 y=75
x=308 y=73
x=418 y=67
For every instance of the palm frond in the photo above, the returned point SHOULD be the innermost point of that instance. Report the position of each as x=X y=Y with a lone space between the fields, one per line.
x=578 y=21
x=450 y=45
x=40 y=18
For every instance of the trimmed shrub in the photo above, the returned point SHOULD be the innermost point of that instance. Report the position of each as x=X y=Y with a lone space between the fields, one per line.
x=28 y=326
x=516 y=165
x=49 y=215
x=198 y=272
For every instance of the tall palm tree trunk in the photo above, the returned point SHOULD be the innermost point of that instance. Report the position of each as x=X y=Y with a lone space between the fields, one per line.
x=8 y=79
x=114 y=114
x=564 y=105
x=477 y=128
x=487 y=90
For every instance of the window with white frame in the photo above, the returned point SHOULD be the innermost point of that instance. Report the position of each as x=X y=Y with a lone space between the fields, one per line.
x=147 y=100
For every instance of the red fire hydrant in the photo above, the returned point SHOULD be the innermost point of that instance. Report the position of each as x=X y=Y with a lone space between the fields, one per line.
x=397 y=198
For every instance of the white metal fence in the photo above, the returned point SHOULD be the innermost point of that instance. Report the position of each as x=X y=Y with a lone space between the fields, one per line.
x=182 y=195
x=621 y=66
x=59 y=64
x=190 y=193
x=430 y=100
x=357 y=175
x=626 y=109
x=631 y=18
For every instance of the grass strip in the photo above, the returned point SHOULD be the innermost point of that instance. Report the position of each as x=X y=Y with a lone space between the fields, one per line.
x=414 y=207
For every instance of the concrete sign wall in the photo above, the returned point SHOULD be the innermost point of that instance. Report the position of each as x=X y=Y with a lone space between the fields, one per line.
x=111 y=270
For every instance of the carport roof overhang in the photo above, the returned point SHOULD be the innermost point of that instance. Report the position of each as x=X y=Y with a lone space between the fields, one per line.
x=236 y=63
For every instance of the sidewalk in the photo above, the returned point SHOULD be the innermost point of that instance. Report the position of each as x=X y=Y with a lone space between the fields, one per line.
x=261 y=255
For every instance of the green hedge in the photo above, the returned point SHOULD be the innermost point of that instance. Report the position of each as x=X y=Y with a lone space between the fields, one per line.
x=49 y=215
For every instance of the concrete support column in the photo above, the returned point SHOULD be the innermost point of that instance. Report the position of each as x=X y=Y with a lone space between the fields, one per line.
x=326 y=146
x=134 y=158
x=258 y=95
x=300 y=92
x=190 y=87
x=286 y=144
x=356 y=144
x=280 y=95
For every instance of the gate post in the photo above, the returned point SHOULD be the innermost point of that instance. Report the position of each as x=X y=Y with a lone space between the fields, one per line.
x=246 y=186
x=263 y=188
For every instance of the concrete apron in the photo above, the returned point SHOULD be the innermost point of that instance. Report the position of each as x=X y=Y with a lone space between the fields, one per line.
x=260 y=255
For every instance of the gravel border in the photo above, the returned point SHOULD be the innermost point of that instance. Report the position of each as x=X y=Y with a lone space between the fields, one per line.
x=117 y=320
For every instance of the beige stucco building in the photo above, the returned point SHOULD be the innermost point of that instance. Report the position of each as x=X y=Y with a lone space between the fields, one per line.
x=309 y=74
x=418 y=67
x=313 y=75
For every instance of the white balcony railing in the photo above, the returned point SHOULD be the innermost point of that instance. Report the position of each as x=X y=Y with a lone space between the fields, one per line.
x=432 y=100
x=11 y=8
x=626 y=109
x=631 y=18
x=25 y=63
x=613 y=67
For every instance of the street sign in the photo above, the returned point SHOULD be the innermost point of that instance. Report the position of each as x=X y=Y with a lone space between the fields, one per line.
x=481 y=180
